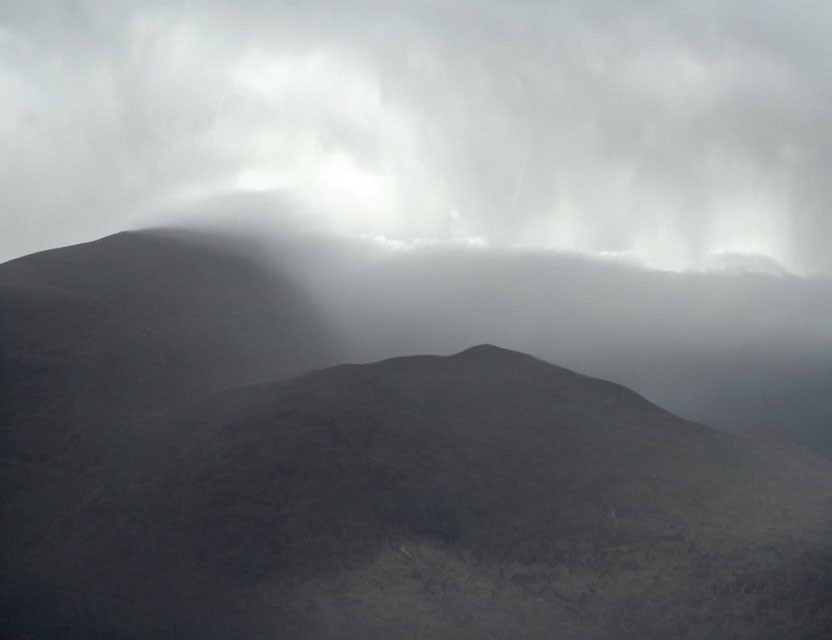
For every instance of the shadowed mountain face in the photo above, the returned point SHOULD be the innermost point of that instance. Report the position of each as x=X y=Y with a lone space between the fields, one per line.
x=425 y=497
x=100 y=343
x=150 y=491
x=136 y=323
x=490 y=492
x=193 y=299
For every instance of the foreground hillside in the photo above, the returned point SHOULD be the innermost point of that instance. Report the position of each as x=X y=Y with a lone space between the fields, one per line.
x=485 y=493
x=491 y=493
x=149 y=492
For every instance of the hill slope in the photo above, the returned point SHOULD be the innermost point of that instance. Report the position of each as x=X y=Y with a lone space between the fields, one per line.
x=490 y=492
x=483 y=494
x=137 y=322
x=100 y=344
x=150 y=490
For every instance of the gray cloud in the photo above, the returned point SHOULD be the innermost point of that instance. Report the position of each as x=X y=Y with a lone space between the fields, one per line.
x=665 y=131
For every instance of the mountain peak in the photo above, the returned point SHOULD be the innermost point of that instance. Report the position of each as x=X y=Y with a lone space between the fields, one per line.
x=486 y=348
x=487 y=352
x=492 y=350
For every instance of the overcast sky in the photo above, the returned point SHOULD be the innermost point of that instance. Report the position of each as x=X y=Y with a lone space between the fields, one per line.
x=671 y=132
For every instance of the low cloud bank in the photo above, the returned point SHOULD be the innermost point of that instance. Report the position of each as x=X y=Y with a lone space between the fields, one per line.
x=741 y=350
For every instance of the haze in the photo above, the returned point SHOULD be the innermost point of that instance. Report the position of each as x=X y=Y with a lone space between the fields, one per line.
x=734 y=348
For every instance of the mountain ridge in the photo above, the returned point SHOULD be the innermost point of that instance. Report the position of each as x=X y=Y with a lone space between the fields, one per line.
x=487 y=492
x=396 y=457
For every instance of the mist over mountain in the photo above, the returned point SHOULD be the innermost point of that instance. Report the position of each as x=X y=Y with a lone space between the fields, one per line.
x=155 y=314
x=176 y=462
x=740 y=349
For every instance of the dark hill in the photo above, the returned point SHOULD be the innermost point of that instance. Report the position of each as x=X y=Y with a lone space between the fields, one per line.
x=490 y=492
x=130 y=325
x=196 y=300
x=487 y=494
x=153 y=488
x=100 y=344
